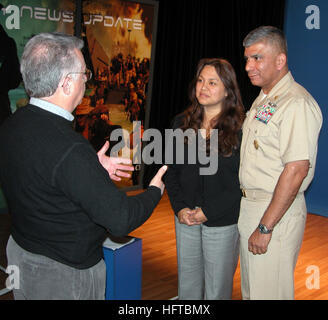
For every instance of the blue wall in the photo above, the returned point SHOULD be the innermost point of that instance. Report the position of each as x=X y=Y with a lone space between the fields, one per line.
x=308 y=62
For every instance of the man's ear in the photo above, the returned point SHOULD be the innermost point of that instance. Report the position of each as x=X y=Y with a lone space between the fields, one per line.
x=66 y=85
x=281 y=61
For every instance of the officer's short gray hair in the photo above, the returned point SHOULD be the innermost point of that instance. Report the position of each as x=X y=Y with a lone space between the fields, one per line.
x=47 y=58
x=268 y=34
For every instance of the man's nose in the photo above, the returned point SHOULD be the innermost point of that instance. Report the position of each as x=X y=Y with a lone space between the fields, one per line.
x=249 y=65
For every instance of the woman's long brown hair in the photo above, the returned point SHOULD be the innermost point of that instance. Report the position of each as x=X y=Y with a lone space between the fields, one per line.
x=232 y=115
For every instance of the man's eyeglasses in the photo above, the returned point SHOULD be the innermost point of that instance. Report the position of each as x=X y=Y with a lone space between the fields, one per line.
x=87 y=73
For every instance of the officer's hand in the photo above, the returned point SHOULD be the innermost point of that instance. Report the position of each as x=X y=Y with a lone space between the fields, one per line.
x=157 y=180
x=258 y=242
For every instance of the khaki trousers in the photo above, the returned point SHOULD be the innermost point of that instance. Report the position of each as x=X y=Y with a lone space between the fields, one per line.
x=271 y=275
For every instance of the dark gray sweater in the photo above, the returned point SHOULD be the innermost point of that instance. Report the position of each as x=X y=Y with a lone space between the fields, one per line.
x=60 y=197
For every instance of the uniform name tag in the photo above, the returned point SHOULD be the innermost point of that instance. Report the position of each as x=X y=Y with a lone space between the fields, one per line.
x=265 y=112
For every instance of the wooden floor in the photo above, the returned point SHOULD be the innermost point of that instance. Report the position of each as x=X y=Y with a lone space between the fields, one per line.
x=160 y=266
x=159 y=280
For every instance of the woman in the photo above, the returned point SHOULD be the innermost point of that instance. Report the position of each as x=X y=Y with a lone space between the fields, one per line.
x=207 y=206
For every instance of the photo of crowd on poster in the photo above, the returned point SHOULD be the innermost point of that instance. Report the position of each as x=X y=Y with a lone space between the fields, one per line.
x=118 y=42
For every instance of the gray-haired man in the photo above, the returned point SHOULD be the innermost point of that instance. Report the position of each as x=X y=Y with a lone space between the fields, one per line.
x=58 y=190
x=278 y=155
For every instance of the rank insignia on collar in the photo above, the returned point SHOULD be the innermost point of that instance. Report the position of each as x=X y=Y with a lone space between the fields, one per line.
x=265 y=112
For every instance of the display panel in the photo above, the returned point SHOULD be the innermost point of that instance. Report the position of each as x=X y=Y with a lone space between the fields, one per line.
x=119 y=49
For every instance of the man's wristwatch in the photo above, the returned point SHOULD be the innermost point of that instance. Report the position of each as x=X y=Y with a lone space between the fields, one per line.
x=263 y=229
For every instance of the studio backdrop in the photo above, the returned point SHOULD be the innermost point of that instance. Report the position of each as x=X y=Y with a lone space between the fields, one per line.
x=306 y=28
x=119 y=43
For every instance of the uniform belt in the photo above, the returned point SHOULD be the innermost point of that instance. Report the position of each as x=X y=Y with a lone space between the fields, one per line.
x=256 y=194
x=262 y=195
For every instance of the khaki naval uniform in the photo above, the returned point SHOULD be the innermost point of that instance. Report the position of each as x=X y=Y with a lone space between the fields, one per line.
x=281 y=127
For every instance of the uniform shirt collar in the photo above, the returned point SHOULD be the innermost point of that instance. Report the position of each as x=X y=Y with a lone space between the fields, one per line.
x=275 y=93
x=284 y=82
x=48 y=106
